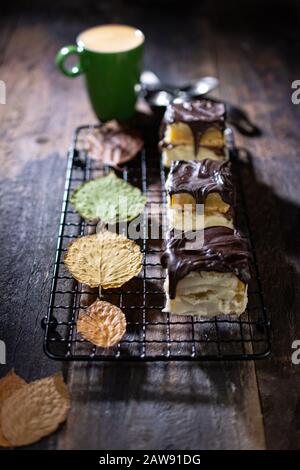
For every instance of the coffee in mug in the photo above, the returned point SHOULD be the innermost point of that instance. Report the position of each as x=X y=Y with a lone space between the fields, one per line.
x=110 y=57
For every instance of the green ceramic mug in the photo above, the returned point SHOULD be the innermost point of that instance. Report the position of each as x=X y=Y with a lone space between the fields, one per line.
x=110 y=57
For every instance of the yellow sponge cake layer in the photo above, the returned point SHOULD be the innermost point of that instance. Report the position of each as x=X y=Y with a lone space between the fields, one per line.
x=181 y=133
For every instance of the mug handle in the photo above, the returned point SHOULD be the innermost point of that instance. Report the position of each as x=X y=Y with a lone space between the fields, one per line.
x=60 y=61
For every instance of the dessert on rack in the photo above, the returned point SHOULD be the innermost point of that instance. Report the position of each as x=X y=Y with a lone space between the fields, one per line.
x=200 y=194
x=206 y=259
x=207 y=272
x=193 y=130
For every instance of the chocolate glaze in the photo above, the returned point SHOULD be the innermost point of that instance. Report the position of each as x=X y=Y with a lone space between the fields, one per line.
x=199 y=115
x=223 y=250
x=200 y=178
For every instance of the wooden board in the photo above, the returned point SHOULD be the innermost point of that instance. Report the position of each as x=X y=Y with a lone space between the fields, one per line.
x=152 y=406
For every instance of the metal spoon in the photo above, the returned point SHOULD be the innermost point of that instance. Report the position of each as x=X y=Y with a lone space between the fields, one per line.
x=160 y=95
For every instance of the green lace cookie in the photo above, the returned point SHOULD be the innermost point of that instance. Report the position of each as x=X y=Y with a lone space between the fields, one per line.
x=109 y=199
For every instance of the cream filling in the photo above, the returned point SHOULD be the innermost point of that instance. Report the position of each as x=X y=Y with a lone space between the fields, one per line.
x=207 y=294
x=186 y=152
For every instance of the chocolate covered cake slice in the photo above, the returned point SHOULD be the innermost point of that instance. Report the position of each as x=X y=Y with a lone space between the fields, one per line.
x=207 y=272
x=193 y=130
x=200 y=194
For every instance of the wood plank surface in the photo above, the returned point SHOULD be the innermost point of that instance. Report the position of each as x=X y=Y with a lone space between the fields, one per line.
x=264 y=66
x=152 y=406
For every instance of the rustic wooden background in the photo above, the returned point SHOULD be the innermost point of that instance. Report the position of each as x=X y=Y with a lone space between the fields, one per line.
x=254 y=50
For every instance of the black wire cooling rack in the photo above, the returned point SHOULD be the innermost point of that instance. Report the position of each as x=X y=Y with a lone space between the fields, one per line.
x=151 y=335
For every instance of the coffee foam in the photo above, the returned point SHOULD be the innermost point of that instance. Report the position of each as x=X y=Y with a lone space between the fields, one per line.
x=110 y=38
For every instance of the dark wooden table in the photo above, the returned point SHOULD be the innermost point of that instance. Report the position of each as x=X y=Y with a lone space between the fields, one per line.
x=255 y=55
